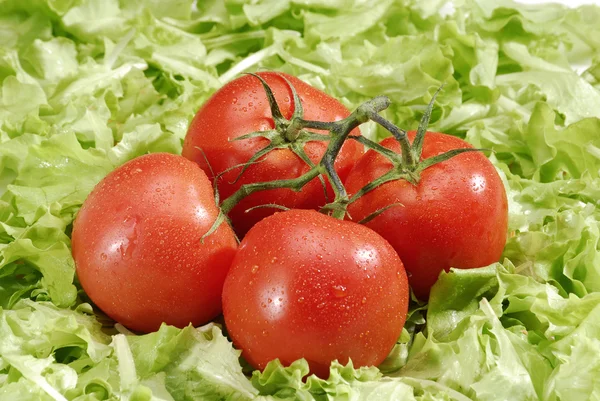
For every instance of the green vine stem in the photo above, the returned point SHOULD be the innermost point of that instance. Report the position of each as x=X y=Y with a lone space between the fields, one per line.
x=339 y=131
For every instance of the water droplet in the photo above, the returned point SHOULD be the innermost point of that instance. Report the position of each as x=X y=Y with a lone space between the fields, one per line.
x=270 y=300
x=274 y=260
x=264 y=333
x=244 y=109
x=264 y=305
x=157 y=189
x=339 y=291
x=363 y=301
x=321 y=305
x=320 y=257
x=234 y=100
x=103 y=256
x=301 y=299
x=254 y=269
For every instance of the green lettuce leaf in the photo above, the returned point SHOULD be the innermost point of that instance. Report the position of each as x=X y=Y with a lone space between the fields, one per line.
x=47 y=353
x=86 y=85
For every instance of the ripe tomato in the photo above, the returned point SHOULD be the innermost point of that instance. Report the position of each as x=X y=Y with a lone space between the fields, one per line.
x=305 y=285
x=456 y=216
x=137 y=249
x=241 y=107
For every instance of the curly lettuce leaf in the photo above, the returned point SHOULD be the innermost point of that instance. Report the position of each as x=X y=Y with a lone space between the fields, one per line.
x=47 y=353
x=86 y=85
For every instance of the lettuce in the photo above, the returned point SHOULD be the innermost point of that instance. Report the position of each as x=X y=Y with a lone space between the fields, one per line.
x=47 y=353
x=86 y=85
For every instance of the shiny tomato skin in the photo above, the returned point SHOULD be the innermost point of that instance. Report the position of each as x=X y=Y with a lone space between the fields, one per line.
x=306 y=285
x=456 y=216
x=240 y=107
x=137 y=249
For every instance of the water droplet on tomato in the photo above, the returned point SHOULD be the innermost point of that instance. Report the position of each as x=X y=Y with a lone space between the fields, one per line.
x=270 y=301
x=321 y=305
x=363 y=301
x=103 y=256
x=320 y=257
x=254 y=269
x=234 y=100
x=300 y=300
x=274 y=260
x=339 y=291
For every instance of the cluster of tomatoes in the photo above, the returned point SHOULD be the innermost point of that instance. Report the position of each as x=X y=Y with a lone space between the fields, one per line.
x=300 y=284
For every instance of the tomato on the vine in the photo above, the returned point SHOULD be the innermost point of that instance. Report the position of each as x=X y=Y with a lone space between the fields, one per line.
x=306 y=285
x=137 y=244
x=455 y=216
x=241 y=107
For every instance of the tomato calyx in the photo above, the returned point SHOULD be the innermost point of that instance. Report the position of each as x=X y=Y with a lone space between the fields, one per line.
x=407 y=165
x=286 y=134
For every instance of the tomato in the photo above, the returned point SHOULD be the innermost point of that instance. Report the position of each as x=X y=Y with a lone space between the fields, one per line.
x=456 y=216
x=241 y=107
x=306 y=285
x=137 y=244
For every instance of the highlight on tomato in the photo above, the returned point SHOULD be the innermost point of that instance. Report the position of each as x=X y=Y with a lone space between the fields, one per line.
x=137 y=244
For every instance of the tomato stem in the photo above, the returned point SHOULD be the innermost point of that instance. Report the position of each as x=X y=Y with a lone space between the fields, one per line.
x=339 y=132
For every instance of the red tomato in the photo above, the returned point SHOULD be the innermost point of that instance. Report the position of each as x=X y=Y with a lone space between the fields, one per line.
x=240 y=107
x=456 y=216
x=137 y=249
x=305 y=285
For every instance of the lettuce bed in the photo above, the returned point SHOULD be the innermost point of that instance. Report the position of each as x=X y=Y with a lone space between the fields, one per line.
x=89 y=84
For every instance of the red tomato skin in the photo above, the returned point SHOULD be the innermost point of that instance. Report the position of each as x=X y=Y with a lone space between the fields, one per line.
x=456 y=216
x=137 y=249
x=241 y=107
x=305 y=285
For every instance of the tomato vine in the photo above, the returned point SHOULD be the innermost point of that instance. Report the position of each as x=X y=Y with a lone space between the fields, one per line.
x=293 y=133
